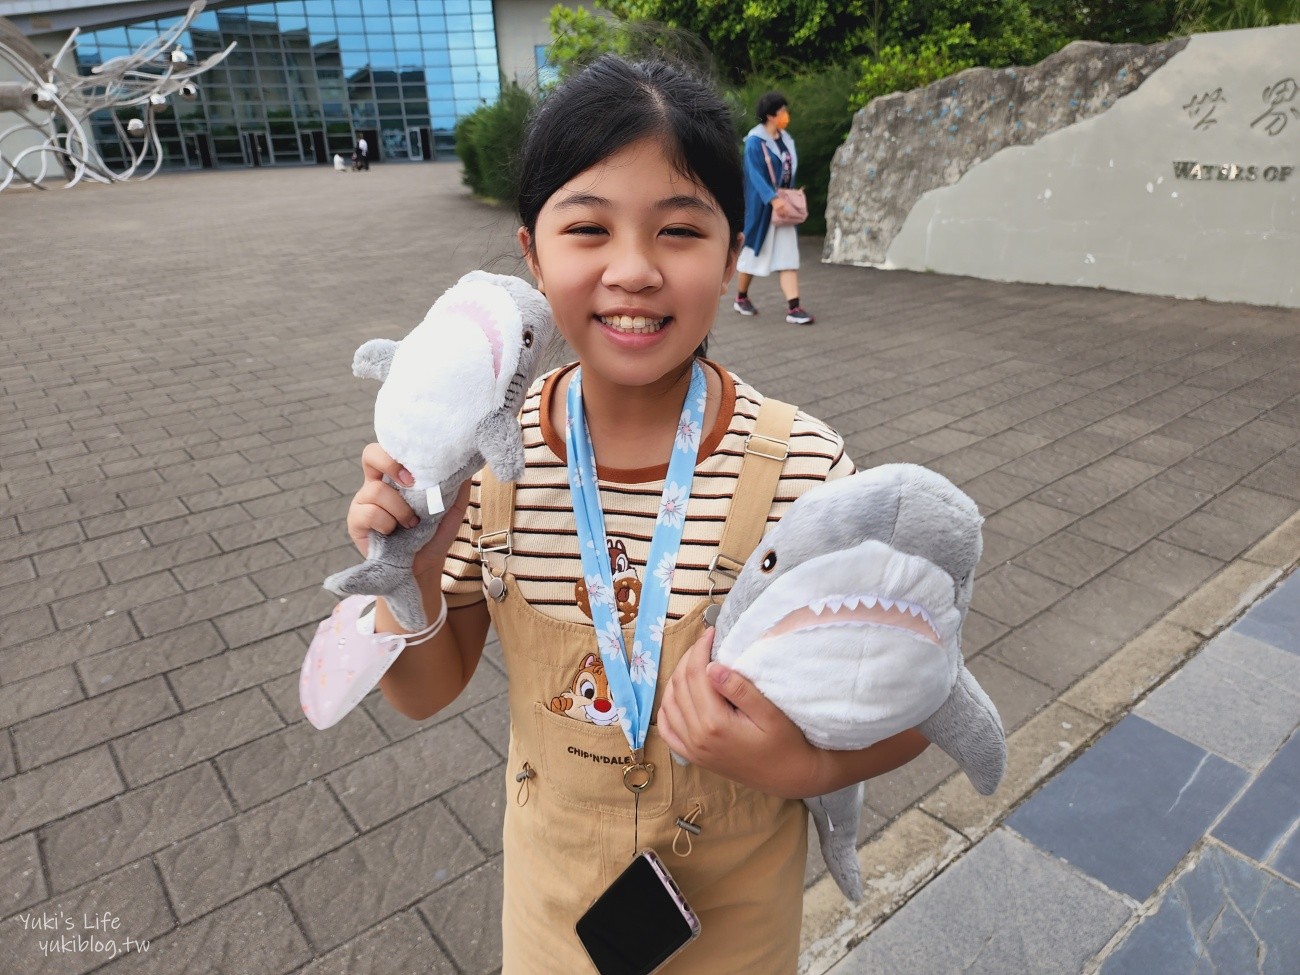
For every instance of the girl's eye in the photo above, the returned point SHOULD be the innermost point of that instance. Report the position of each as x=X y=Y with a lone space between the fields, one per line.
x=681 y=232
x=585 y=231
x=769 y=561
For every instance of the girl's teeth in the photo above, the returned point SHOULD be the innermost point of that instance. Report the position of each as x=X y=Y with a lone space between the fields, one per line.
x=626 y=323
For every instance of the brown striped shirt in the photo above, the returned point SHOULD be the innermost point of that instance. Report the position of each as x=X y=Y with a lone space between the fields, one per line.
x=545 y=560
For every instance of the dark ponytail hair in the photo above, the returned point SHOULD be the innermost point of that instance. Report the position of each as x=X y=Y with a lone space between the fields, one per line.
x=613 y=103
x=769 y=104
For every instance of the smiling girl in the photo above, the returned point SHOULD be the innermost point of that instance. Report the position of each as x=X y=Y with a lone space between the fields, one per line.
x=650 y=471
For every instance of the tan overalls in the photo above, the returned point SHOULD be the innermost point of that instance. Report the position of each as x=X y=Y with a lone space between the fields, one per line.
x=569 y=818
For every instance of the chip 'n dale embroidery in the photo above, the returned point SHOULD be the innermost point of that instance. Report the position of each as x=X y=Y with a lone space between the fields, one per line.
x=627 y=585
x=587 y=698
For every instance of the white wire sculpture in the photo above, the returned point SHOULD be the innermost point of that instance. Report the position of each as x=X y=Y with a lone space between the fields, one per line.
x=57 y=104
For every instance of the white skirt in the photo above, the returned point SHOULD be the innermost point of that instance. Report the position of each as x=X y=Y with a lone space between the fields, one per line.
x=780 y=252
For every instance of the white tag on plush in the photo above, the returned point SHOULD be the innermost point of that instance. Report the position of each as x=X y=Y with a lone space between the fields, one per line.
x=434 y=497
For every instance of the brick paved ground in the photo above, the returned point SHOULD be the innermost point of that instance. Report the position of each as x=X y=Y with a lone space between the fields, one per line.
x=178 y=441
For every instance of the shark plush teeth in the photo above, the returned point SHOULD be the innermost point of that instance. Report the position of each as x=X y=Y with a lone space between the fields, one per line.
x=848 y=617
x=451 y=393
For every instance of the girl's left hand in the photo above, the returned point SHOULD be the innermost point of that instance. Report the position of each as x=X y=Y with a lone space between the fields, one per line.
x=714 y=717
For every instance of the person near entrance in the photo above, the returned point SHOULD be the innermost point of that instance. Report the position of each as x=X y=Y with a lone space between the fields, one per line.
x=363 y=153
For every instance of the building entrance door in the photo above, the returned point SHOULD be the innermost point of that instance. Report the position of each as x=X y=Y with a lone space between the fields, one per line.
x=413 y=144
x=257 y=149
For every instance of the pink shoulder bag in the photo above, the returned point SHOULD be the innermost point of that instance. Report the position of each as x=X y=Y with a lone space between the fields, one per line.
x=796 y=204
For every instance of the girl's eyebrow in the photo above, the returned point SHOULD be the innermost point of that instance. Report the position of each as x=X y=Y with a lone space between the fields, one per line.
x=680 y=202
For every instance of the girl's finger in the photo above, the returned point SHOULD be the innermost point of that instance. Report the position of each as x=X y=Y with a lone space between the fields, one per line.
x=376 y=463
x=385 y=496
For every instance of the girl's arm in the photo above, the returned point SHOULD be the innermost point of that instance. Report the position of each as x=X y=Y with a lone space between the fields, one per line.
x=714 y=717
x=426 y=677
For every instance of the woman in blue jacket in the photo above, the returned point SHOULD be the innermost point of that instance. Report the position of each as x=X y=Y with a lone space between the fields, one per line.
x=770 y=162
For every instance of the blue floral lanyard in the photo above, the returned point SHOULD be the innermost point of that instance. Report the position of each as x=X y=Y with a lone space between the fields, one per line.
x=632 y=684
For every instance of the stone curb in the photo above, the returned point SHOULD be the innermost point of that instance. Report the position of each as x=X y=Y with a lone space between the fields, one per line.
x=902 y=858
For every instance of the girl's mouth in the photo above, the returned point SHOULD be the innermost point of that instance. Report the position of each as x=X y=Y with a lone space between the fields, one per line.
x=628 y=325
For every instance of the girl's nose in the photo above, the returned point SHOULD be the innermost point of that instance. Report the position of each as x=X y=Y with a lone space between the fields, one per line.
x=631 y=268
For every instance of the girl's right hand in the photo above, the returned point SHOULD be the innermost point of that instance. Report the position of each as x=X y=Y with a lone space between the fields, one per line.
x=380 y=507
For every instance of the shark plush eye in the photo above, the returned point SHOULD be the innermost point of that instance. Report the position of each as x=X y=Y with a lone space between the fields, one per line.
x=528 y=340
x=769 y=561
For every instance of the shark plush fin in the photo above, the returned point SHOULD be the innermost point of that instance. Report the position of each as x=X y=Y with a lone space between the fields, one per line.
x=836 y=817
x=968 y=728
x=372 y=360
x=498 y=440
x=394 y=582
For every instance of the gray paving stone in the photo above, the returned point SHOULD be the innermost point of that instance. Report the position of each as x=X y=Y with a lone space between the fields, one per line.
x=1068 y=558
x=491 y=720
x=143 y=559
x=1004 y=907
x=132 y=825
x=1226 y=709
x=145 y=658
x=466 y=916
x=194 y=736
x=1115 y=606
x=1131 y=807
x=387 y=783
x=243 y=853
x=1216 y=537
x=269 y=617
x=8 y=765
x=131 y=896
x=480 y=805
x=255 y=934
x=24 y=880
x=113 y=599
x=272 y=764
x=37 y=695
x=79 y=726
x=1029 y=521
x=1012 y=595
x=1053 y=650
x=261 y=530
x=1276 y=618
x=398 y=946
x=196 y=524
x=180 y=610
x=225 y=673
x=1262 y=823
x=889 y=794
x=1167 y=568
x=1223 y=915
x=349 y=890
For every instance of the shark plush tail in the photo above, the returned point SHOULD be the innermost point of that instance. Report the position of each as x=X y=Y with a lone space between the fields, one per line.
x=968 y=728
x=387 y=570
x=836 y=817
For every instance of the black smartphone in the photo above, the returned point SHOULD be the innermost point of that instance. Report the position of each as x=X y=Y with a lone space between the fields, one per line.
x=639 y=922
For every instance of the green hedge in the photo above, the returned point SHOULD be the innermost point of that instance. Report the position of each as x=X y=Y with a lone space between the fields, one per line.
x=489 y=141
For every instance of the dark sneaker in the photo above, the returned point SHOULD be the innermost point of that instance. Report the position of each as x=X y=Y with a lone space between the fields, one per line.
x=744 y=306
x=797 y=316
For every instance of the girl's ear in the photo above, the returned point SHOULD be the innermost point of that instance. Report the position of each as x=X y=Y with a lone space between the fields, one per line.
x=733 y=256
x=530 y=257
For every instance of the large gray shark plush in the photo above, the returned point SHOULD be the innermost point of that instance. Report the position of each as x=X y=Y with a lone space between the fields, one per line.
x=451 y=393
x=848 y=617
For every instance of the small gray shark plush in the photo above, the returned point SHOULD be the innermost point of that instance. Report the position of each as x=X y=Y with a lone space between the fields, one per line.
x=848 y=617
x=451 y=393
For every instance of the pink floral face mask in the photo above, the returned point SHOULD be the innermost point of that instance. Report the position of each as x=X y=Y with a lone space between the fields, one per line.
x=345 y=661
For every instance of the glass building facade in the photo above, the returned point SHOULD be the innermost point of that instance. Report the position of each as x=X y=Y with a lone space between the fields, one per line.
x=308 y=78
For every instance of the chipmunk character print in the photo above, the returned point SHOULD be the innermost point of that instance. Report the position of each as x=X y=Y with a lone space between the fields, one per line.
x=627 y=585
x=587 y=698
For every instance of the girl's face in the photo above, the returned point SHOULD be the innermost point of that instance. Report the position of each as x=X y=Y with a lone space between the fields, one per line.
x=632 y=257
x=782 y=118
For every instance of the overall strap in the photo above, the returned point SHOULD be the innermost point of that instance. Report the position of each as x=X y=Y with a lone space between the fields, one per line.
x=765 y=453
x=497 y=506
